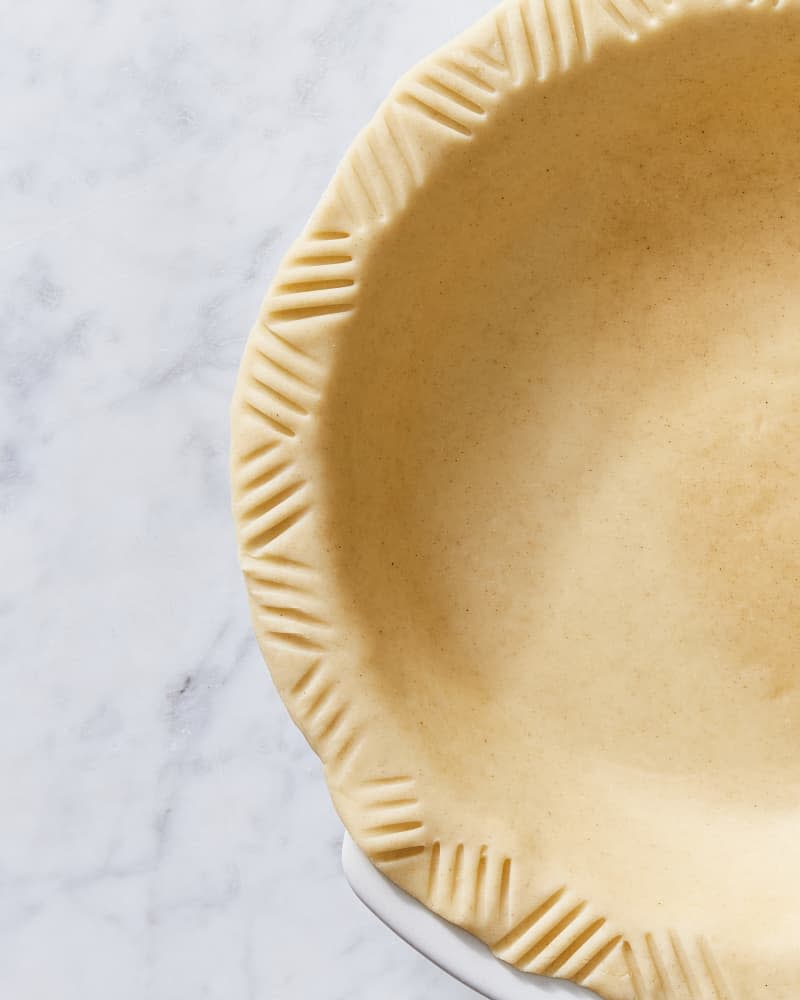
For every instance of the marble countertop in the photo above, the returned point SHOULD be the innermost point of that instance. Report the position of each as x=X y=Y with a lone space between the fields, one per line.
x=166 y=832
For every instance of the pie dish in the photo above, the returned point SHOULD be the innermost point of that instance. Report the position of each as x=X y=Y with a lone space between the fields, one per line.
x=455 y=951
x=515 y=459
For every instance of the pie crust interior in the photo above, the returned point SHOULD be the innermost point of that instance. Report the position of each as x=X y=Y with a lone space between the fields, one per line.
x=516 y=453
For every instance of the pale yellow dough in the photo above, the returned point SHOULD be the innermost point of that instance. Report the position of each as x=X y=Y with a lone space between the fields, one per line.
x=516 y=465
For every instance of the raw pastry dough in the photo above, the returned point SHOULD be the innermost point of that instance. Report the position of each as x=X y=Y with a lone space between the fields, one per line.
x=516 y=443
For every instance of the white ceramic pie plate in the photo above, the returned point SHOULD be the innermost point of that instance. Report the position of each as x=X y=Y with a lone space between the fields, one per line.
x=515 y=477
x=455 y=951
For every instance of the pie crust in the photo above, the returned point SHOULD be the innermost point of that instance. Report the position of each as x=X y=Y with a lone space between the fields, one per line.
x=515 y=460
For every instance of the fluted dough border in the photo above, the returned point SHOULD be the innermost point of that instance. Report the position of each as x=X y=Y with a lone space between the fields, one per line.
x=432 y=112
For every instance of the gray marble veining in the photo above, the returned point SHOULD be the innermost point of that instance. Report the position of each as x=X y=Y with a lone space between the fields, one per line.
x=165 y=830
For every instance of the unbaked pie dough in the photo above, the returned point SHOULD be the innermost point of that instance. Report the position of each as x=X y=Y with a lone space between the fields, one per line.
x=516 y=465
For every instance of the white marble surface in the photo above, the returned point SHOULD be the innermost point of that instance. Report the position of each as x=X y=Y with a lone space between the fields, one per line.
x=165 y=831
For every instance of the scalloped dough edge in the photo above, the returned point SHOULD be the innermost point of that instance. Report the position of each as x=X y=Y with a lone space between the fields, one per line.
x=431 y=111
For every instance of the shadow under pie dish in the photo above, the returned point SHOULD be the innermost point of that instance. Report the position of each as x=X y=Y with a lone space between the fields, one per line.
x=515 y=456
